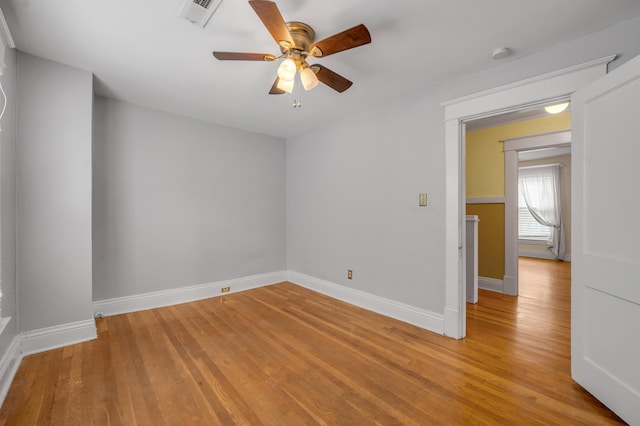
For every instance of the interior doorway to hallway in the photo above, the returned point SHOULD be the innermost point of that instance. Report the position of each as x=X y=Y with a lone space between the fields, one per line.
x=533 y=92
x=495 y=148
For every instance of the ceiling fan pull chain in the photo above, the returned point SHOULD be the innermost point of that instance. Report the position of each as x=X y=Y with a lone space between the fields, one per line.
x=297 y=102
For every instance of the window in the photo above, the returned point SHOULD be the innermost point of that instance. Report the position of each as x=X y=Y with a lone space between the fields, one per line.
x=528 y=227
x=539 y=193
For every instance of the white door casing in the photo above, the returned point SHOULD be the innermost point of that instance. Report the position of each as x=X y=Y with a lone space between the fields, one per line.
x=531 y=92
x=605 y=298
x=511 y=149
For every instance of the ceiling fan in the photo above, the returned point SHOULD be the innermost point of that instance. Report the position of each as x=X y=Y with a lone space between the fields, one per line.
x=296 y=41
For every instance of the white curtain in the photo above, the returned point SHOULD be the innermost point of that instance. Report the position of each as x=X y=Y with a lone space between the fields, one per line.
x=541 y=191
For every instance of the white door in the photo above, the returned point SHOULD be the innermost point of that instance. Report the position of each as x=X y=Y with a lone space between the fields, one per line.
x=605 y=298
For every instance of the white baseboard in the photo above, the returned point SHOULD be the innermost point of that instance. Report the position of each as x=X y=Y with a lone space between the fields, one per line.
x=159 y=299
x=9 y=366
x=419 y=317
x=510 y=285
x=452 y=323
x=491 y=284
x=57 y=336
x=542 y=254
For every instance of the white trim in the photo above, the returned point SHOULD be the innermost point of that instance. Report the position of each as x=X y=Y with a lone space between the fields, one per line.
x=546 y=254
x=510 y=284
x=543 y=140
x=451 y=323
x=57 y=336
x=542 y=254
x=475 y=105
x=534 y=91
x=531 y=242
x=491 y=284
x=486 y=200
x=158 y=299
x=511 y=221
x=9 y=366
x=6 y=41
x=511 y=165
x=3 y=323
x=5 y=34
x=454 y=249
x=419 y=317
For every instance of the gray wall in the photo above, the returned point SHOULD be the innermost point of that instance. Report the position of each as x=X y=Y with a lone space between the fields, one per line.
x=353 y=186
x=54 y=193
x=180 y=202
x=7 y=202
x=353 y=203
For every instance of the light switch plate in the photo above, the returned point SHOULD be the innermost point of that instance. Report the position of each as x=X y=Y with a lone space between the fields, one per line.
x=423 y=200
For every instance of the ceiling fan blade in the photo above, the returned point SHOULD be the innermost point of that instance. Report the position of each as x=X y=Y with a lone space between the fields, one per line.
x=239 y=56
x=274 y=89
x=270 y=16
x=331 y=79
x=348 y=39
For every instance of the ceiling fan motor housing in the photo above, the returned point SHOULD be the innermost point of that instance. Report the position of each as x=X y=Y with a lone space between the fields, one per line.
x=302 y=35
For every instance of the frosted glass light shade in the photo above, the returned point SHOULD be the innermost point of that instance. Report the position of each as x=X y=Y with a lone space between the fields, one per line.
x=309 y=79
x=285 y=85
x=287 y=70
x=556 y=109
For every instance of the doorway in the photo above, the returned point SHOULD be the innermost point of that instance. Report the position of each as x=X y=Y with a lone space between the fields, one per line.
x=494 y=148
x=540 y=280
x=529 y=93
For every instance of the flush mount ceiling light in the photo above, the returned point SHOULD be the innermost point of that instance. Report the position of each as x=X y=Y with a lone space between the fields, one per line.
x=296 y=41
x=556 y=109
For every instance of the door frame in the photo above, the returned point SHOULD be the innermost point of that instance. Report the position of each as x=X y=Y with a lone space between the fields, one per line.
x=512 y=147
x=531 y=92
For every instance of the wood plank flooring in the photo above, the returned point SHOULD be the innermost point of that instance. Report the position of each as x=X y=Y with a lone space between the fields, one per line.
x=284 y=355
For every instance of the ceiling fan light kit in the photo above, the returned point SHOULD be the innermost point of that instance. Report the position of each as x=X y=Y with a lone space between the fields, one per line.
x=286 y=85
x=287 y=70
x=297 y=43
x=308 y=78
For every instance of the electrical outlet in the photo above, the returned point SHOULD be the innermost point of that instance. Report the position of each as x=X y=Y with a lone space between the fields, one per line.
x=349 y=274
x=226 y=289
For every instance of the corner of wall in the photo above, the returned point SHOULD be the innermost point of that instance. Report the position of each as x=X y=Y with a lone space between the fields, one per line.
x=57 y=336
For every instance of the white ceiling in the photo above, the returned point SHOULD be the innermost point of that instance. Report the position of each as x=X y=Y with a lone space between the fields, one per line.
x=141 y=52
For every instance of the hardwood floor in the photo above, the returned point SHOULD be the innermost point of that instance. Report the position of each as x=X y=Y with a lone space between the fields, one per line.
x=286 y=355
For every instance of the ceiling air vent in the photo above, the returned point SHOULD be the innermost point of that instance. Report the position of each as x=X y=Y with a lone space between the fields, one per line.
x=198 y=11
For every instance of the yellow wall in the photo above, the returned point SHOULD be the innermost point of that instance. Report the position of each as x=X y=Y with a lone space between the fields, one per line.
x=485 y=159
x=490 y=239
x=485 y=178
